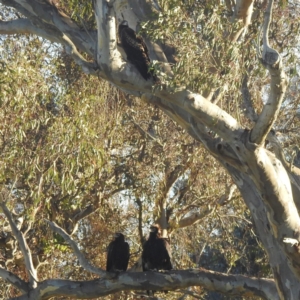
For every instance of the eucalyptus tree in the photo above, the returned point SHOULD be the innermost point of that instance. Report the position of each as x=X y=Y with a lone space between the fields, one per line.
x=223 y=80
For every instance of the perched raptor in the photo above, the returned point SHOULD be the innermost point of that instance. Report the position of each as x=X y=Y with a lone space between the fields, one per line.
x=156 y=252
x=117 y=254
x=135 y=49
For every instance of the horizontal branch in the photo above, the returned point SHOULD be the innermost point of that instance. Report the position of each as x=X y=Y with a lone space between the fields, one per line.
x=45 y=15
x=25 y=26
x=22 y=26
x=231 y=285
x=13 y=279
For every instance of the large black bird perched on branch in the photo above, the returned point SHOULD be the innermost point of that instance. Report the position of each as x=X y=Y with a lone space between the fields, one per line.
x=136 y=50
x=117 y=254
x=156 y=252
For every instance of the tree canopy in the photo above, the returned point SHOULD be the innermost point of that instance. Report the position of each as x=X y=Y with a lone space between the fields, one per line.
x=207 y=148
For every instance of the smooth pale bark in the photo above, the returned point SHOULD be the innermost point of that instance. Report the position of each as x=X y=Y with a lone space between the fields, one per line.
x=272 y=61
x=32 y=273
x=205 y=112
x=195 y=217
x=243 y=10
x=287 y=284
x=231 y=285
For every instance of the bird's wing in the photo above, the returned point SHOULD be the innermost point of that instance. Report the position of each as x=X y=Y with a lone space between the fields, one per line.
x=143 y=44
x=168 y=247
x=169 y=261
x=165 y=250
x=129 y=37
x=145 y=255
x=109 y=260
x=129 y=32
x=127 y=251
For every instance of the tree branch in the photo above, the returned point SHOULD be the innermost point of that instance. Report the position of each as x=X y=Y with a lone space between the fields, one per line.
x=169 y=180
x=13 y=279
x=277 y=259
x=82 y=260
x=216 y=146
x=24 y=26
x=72 y=218
x=193 y=218
x=220 y=149
x=87 y=67
x=46 y=15
x=272 y=60
x=107 y=36
x=272 y=180
x=204 y=112
x=231 y=285
x=243 y=10
x=60 y=29
x=293 y=171
x=22 y=244
x=83 y=213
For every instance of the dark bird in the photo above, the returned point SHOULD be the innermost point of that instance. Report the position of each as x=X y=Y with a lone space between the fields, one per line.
x=156 y=252
x=117 y=254
x=136 y=50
